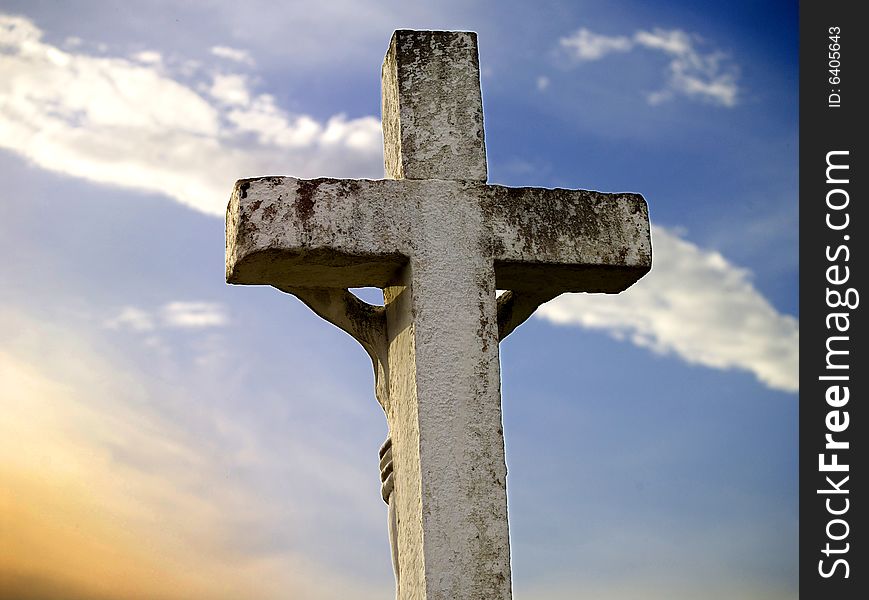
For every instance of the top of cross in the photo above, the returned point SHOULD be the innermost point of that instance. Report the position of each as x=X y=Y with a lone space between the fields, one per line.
x=432 y=107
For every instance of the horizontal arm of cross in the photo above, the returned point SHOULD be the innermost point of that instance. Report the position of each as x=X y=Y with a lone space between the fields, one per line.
x=327 y=233
x=355 y=233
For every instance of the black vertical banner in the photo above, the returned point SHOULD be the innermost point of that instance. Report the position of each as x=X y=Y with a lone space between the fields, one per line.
x=834 y=368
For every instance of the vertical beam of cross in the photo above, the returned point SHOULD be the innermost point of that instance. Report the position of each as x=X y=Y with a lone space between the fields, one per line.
x=442 y=330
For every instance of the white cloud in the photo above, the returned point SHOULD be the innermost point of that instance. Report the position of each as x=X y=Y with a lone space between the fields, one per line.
x=123 y=122
x=174 y=315
x=194 y=314
x=707 y=76
x=585 y=45
x=542 y=83
x=271 y=127
x=148 y=57
x=233 y=54
x=230 y=89
x=698 y=306
x=674 y=42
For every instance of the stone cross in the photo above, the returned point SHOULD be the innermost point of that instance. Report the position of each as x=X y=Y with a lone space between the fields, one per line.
x=439 y=241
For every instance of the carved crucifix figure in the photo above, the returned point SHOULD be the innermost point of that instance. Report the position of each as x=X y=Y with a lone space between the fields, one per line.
x=438 y=240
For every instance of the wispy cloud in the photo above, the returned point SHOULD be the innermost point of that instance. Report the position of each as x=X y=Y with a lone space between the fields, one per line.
x=585 y=45
x=132 y=123
x=194 y=314
x=691 y=72
x=177 y=315
x=233 y=54
x=698 y=306
x=148 y=57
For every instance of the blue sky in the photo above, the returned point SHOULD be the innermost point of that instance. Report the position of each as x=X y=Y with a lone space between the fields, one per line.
x=193 y=440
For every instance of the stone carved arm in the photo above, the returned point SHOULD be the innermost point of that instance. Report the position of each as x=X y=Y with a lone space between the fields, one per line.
x=514 y=308
x=365 y=322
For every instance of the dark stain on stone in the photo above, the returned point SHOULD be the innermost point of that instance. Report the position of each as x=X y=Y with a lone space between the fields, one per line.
x=543 y=219
x=305 y=198
x=497 y=246
x=488 y=244
x=244 y=184
x=482 y=331
x=246 y=230
x=348 y=189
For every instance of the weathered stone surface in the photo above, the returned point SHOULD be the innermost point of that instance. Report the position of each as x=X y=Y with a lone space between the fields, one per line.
x=343 y=233
x=557 y=240
x=432 y=106
x=445 y=409
x=317 y=233
x=438 y=240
